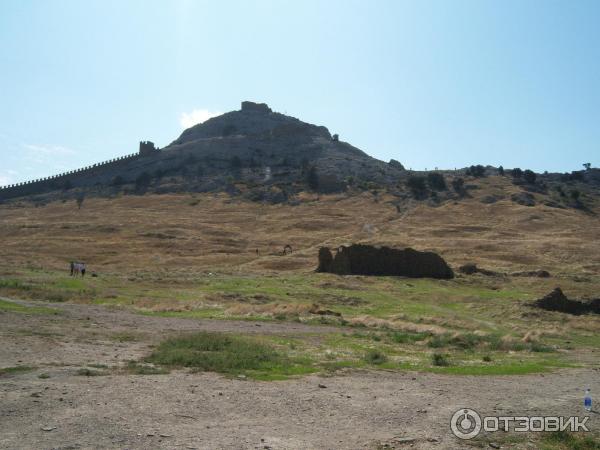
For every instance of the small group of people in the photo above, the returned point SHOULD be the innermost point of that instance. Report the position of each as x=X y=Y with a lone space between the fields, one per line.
x=77 y=268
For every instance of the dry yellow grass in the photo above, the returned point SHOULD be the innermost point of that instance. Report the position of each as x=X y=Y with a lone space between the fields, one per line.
x=207 y=232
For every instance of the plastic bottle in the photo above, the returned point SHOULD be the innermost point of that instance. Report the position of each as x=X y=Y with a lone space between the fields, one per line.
x=587 y=400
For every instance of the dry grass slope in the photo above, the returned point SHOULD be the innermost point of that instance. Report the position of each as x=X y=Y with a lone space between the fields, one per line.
x=219 y=233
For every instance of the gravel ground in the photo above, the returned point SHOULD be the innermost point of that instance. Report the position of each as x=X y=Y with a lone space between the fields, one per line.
x=351 y=410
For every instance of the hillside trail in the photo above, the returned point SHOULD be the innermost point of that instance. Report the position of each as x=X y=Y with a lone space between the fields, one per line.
x=357 y=409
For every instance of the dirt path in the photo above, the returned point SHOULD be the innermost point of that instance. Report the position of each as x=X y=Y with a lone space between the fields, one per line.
x=357 y=409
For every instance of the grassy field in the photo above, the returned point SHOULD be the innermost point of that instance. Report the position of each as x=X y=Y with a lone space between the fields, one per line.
x=469 y=325
x=214 y=257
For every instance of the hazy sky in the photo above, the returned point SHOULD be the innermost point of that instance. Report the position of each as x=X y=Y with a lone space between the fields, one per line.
x=429 y=83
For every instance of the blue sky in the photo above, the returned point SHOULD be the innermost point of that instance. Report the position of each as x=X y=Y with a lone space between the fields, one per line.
x=430 y=83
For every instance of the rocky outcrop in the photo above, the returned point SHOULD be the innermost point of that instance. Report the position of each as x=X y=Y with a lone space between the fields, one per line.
x=360 y=259
x=558 y=301
x=396 y=164
x=523 y=198
x=532 y=273
x=471 y=268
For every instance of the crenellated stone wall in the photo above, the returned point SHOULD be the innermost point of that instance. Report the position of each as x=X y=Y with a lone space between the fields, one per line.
x=59 y=181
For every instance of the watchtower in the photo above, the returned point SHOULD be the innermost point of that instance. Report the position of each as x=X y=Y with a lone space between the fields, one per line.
x=147 y=148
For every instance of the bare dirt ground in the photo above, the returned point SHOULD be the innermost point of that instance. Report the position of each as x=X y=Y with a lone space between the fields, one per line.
x=354 y=409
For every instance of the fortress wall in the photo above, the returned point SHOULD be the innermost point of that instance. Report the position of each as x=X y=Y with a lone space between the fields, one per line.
x=75 y=178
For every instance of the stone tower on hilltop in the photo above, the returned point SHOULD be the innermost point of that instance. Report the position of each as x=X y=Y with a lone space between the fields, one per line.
x=256 y=107
x=147 y=148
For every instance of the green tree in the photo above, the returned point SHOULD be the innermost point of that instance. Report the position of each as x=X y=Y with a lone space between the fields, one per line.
x=417 y=185
x=436 y=181
x=458 y=184
x=477 y=171
x=529 y=176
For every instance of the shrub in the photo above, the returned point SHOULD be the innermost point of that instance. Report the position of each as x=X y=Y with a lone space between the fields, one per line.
x=436 y=181
x=437 y=359
x=375 y=357
x=516 y=173
x=540 y=348
x=576 y=175
x=465 y=341
x=477 y=171
x=575 y=194
x=501 y=171
x=458 y=184
x=396 y=164
x=416 y=184
x=529 y=176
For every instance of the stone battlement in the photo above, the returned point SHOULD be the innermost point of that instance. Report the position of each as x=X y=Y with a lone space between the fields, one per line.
x=66 y=179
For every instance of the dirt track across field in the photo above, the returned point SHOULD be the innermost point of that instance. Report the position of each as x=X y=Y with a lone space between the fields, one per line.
x=355 y=409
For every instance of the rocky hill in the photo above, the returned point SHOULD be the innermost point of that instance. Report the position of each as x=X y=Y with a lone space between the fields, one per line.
x=261 y=155
x=254 y=145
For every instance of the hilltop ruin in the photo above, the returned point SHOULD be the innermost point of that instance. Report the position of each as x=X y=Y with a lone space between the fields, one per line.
x=360 y=259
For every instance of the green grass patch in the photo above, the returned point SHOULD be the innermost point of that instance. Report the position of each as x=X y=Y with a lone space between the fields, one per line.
x=563 y=440
x=229 y=354
x=15 y=370
x=16 y=284
x=375 y=357
x=404 y=337
x=6 y=306
x=500 y=368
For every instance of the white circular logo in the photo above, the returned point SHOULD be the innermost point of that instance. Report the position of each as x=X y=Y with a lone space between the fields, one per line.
x=465 y=423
